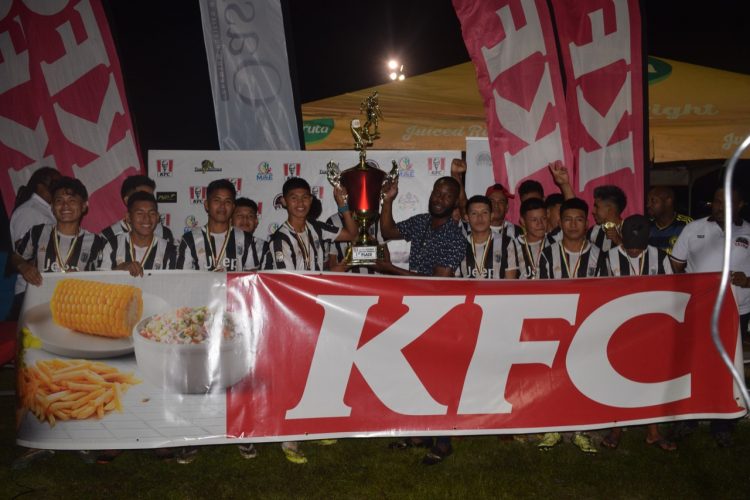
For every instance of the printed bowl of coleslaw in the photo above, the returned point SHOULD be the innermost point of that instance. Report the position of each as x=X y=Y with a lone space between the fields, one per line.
x=191 y=350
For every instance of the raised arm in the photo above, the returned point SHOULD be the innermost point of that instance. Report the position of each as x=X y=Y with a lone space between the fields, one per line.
x=562 y=179
x=349 y=231
x=388 y=227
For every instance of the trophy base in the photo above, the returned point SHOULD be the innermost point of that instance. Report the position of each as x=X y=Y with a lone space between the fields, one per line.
x=363 y=255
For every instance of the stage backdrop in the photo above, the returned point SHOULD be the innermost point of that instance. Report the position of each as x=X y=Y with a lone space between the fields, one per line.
x=273 y=356
x=182 y=176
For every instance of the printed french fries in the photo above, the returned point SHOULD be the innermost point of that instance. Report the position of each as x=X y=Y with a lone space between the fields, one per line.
x=96 y=308
x=72 y=389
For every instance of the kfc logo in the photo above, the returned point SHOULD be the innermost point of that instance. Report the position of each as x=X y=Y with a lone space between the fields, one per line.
x=436 y=166
x=197 y=194
x=165 y=219
x=164 y=168
x=237 y=181
x=259 y=214
x=317 y=191
x=291 y=170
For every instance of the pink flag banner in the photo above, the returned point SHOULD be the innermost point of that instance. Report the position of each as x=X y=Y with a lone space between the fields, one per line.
x=600 y=44
x=62 y=102
x=512 y=45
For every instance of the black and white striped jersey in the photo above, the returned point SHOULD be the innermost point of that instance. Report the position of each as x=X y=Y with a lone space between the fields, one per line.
x=228 y=251
x=160 y=255
x=53 y=252
x=652 y=261
x=489 y=259
x=556 y=263
x=288 y=249
x=530 y=254
x=598 y=236
x=121 y=227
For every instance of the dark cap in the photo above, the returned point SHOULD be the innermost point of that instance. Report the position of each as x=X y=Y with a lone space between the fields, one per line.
x=635 y=231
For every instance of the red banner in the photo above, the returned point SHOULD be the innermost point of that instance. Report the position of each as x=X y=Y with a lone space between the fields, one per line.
x=62 y=102
x=600 y=41
x=349 y=355
x=512 y=45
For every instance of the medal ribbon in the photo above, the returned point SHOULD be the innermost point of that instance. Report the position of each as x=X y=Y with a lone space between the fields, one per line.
x=63 y=264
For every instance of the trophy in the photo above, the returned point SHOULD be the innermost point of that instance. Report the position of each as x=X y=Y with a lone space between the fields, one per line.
x=364 y=185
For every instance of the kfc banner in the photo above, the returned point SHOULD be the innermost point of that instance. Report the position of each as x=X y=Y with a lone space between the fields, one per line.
x=249 y=69
x=62 y=102
x=345 y=355
x=111 y=361
x=600 y=41
x=512 y=45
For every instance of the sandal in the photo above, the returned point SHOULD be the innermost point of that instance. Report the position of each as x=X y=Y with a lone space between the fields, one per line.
x=663 y=444
x=436 y=455
x=610 y=441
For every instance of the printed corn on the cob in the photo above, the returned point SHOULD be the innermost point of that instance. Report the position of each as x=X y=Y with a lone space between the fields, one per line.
x=96 y=308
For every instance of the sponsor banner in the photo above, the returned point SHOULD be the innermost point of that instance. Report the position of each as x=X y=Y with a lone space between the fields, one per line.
x=249 y=69
x=205 y=358
x=62 y=103
x=344 y=355
x=512 y=45
x=260 y=175
x=600 y=44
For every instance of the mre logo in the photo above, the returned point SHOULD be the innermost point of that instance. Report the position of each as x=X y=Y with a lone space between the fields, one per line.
x=292 y=170
x=317 y=191
x=272 y=227
x=237 y=181
x=436 y=166
x=166 y=196
x=197 y=194
x=207 y=166
x=277 y=203
x=165 y=219
x=164 y=168
x=191 y=222
x=405 y=167
x=264 y=172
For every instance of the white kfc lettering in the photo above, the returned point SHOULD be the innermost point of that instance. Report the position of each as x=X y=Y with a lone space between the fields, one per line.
x=79 y=58
x=524 y=124
x=500 y=347
x=590 y=369
x=380 y=361
x=14 y=68
x=31 y=142
x=603 y=49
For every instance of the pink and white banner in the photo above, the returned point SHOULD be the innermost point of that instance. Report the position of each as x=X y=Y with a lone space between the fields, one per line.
x=600 y=41
x=62 y=102
x=512 y=44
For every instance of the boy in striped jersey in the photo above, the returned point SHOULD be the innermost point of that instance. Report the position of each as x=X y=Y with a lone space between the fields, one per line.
x=63 y=246
x=300 y=244
x=609 y=202
x=245 y=217
x=489 y=255
x=635 y=257
x=130 y=185
x=217 y=246
x=139 y=248
x=534 y=240
x=572 y=257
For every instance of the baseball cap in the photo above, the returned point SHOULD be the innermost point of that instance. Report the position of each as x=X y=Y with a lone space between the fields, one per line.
x=501 y=188
x=635 y=232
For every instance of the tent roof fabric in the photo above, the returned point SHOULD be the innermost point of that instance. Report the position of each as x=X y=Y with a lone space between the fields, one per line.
x=694 y=112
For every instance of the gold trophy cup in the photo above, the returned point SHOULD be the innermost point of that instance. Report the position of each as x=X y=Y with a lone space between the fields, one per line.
x=364 y=184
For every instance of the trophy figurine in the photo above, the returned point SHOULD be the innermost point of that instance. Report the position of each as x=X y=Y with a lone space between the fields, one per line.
x=364 y=184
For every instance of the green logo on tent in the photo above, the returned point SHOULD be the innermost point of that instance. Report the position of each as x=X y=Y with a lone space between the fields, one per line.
x=658 y=70
x=317 y=130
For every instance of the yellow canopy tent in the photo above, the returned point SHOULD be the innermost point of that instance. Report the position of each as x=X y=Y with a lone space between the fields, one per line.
x=695 y=113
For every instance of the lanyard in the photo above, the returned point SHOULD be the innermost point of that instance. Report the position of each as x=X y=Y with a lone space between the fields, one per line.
x=534 y=261
x=565 y=259
x=63 y=264
x=145 y=255
x=480 y=267
x=302 y=246
x=217 y=258
x=641 y=260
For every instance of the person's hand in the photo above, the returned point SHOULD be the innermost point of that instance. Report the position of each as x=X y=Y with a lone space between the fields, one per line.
x=134 y=268
x=613 y=233
x=559 y=173
x=339 y=194
x=458 y=167
x=384 y=265
x=740 y=279
x=390 y=190
x=30 y=273
x=337 y=266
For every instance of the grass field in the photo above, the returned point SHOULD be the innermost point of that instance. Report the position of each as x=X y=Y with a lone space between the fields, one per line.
x=481 y=467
